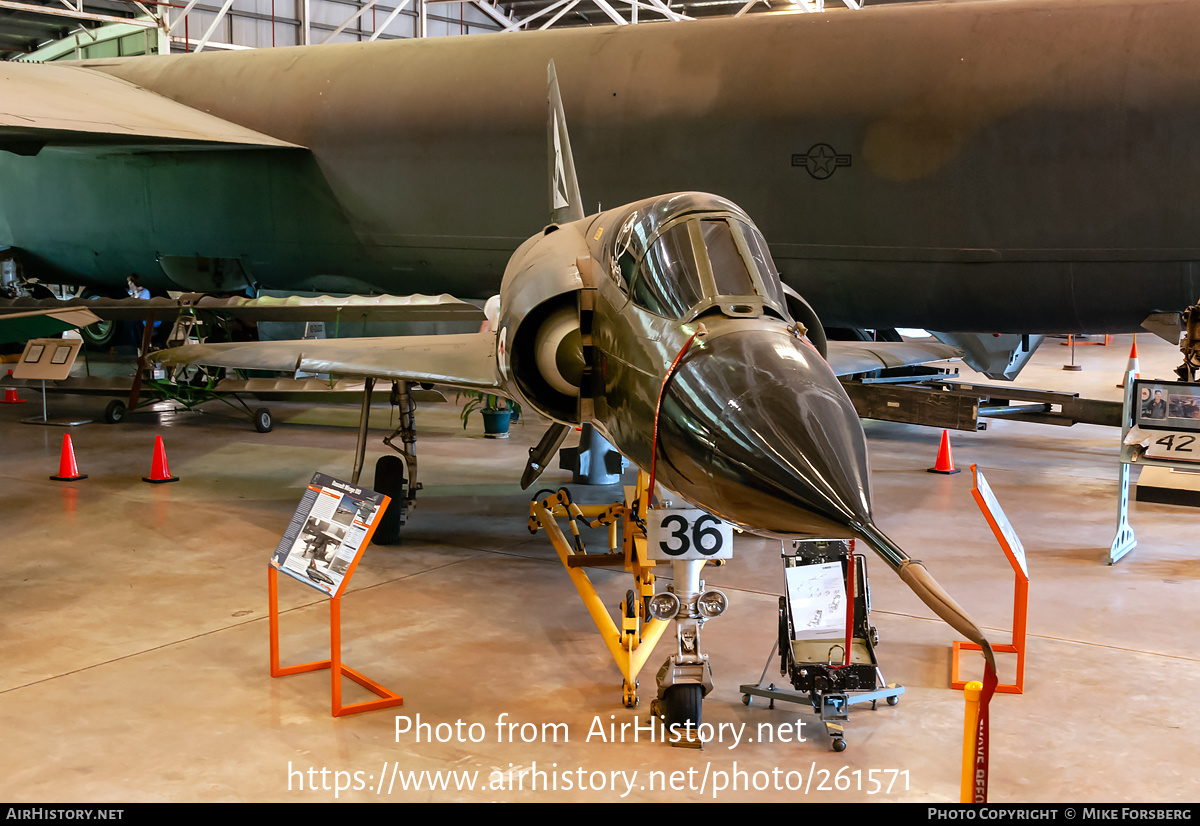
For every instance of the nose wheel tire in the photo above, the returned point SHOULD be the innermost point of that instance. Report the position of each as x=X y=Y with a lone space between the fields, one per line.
x=682 y=705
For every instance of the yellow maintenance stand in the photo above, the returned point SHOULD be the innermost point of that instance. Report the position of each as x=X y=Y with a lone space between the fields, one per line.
x=632 y=642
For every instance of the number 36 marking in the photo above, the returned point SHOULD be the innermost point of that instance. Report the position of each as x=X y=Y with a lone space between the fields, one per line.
x=688 y=534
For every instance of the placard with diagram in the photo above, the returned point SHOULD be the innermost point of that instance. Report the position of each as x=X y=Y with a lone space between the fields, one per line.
x=331 y=527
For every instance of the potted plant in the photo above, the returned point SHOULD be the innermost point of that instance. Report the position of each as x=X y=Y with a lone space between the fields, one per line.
x=497 y=413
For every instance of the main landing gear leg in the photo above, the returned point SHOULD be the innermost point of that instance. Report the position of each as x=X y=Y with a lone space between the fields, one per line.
x=395 y=476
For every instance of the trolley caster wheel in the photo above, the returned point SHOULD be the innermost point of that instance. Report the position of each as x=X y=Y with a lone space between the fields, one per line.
x=263 y=421
x=893 y=700
x=115 y=412
x=839 y=745
x=628 y=607
x=745 y=699
x=630 y=698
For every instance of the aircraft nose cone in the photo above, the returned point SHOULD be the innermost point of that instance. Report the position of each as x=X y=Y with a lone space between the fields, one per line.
x=756 y=428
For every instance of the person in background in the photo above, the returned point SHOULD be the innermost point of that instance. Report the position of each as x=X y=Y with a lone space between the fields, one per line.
x=135 y=289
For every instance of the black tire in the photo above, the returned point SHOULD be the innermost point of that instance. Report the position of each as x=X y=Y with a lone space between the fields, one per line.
x=389 y=480
x=263 y=422
x=683 y=704
x=892 y=700
x=98 y=336
x=114 y=413
x=630 y=604
x=839 y=744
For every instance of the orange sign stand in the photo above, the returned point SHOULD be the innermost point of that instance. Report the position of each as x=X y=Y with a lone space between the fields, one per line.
x=1015 y=552
x=338 y=670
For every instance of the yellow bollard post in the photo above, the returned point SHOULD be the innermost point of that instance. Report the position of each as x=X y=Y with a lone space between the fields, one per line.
x=971 y=693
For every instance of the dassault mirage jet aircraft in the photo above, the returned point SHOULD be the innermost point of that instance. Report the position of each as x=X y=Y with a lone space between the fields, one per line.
x=663 y=323
x=1016 y=167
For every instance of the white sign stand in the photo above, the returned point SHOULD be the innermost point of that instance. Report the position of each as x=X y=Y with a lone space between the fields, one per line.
x=49 y=359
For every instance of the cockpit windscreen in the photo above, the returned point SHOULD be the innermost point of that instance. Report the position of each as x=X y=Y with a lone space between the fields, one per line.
x=689 y=253
x=668 y=282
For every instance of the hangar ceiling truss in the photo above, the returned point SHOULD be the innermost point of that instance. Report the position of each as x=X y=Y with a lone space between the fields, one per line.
x=27 y=26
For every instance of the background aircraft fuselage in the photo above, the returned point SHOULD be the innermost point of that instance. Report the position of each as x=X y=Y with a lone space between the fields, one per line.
x=1011 y=167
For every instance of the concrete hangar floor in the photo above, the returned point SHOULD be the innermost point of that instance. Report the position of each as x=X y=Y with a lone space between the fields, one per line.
x=134 y=626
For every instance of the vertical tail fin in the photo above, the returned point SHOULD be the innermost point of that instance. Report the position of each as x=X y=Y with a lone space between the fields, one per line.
x=565 y=203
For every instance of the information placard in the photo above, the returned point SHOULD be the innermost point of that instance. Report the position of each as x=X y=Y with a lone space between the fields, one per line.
x=1009 y=541
x=49 y=359
x=817 y=597
x=329 y=531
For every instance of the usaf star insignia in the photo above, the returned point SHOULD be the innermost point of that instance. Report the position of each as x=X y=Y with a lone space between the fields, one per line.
x=821 y=161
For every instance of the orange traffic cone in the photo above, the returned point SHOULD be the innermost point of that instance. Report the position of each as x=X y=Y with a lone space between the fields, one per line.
x=159 y=472
x=10 y=394
x=945 y=463
x=68 y=471
x=1132 y=365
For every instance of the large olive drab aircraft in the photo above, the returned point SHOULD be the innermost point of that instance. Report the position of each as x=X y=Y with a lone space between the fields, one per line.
x=1018 y=167
x=663 y=323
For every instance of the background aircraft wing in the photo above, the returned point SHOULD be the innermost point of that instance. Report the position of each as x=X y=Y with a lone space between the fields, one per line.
x=54 y=105
x=343 y=309
x=464 y=360
x=850 y=357
x=42 y=323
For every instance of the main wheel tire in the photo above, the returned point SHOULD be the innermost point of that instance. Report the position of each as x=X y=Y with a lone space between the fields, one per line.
x=682 y=705
x=389 y=480
x=263 y=422
x=98 y=336
x=114 y=413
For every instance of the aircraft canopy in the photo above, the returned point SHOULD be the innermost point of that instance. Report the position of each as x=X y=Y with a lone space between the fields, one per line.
x=684 y=254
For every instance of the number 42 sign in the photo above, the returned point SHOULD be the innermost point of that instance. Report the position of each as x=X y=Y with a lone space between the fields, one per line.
x=687 y=534
x=1178 y=446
